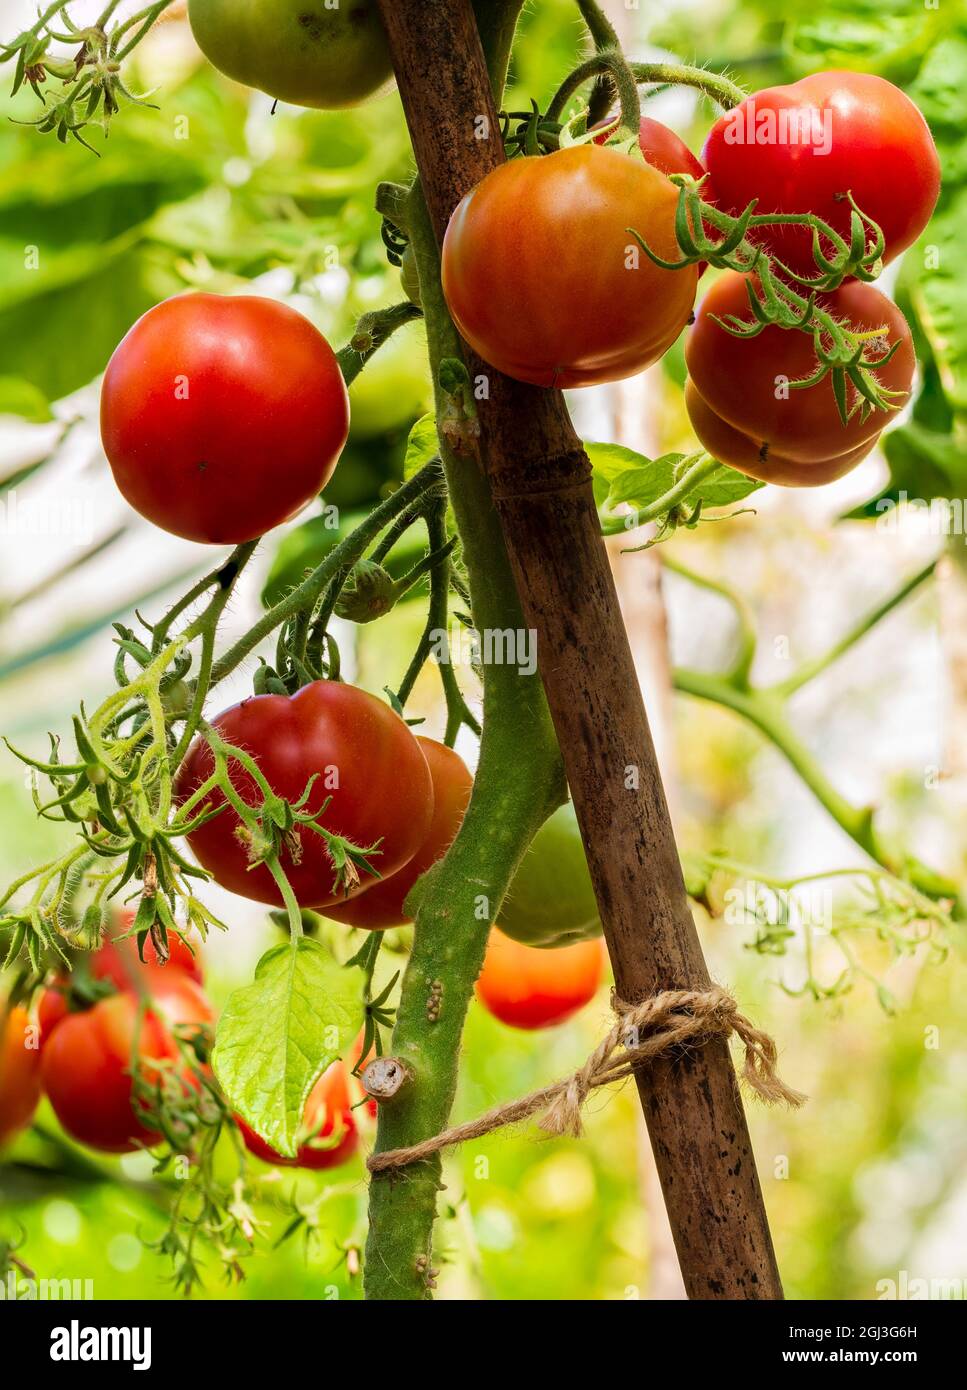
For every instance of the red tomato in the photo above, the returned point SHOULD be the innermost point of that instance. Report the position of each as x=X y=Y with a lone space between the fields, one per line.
x=801 y=148
x=118 y=962
x=382 y=904
x=19 y=1073
x=367 y=761
x=544 y=280
x=222 y=417
x=332 y=1134
x=742 y=409
x=536 y=987
x=88 y=1061
x=663 y=149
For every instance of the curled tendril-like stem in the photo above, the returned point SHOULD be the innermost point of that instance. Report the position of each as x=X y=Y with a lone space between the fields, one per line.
x=705 y=233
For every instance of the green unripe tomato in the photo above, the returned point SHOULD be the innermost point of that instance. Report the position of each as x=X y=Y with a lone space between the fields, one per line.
x=551 y=901
x=369 y=592
x=301 y=51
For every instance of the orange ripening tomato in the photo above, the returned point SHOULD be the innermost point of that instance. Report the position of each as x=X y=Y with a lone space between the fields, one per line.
x=331 y=1131
x=546 y=283
x=19 y=1073
x=88 y=1061
x=537 y=987
x=382 y=904
x=746 y=413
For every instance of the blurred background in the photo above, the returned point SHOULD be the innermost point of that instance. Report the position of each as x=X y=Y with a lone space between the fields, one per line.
x=211 y=190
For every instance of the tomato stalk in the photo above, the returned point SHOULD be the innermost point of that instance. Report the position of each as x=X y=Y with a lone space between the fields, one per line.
x=517 y=784
x=766 y=708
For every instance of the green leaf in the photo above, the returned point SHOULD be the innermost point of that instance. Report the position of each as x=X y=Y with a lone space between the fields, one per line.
x=277 y=1036
x=888 y=37
x=639 y=481
x=422 y=445
x=924 y=464
x=20 y=397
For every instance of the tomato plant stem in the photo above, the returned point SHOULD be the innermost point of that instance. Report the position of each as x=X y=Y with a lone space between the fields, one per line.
x=540 y=480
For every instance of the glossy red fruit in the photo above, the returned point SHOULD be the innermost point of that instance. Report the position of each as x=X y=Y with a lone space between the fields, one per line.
x=545 y=282
x=364 y=758
x=534 y=987
x=89 y=1060
x=663 y=149
x=743 y=410
x=382 y=904
x=803 y=147
x=331 y=1131
x=222 y=417
x=19 y=1072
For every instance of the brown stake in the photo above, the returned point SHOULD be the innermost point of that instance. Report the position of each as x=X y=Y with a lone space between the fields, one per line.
x=540 y=481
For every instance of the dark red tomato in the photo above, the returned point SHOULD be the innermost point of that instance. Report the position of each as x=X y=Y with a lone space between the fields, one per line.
x=537 y=987
x=19 y=1072
x=544 y=280
x=802 y=148
x=331 y=1131
x=88 y=1061
x=663 y=149
x=366 y=760
x=222 y=416
x=382 y=904
x=745 y=414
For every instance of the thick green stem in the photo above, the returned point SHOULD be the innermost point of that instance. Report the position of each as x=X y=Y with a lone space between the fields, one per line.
x=766 y=710
x=518 y=783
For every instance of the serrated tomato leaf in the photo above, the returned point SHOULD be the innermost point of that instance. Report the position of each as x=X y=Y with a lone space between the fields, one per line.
x=639 y=481
x=421 y=446
x=277 y=1035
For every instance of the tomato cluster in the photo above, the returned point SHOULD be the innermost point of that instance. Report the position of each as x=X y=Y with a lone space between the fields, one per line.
x=117 y=1019
x=543 y=284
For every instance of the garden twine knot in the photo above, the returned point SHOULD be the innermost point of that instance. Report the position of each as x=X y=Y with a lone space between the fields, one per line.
x=659 y=1025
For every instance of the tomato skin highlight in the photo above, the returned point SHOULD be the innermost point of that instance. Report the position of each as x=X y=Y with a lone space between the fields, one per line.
x=528 y=987
x=551 y=901
x=20 y=1086
x=384 y=790
x=793 y=437
x=544 y=281
x=329 y=1120
x=87 y=1061
x=879 y=149
x=381 y=905
x=222 y=417
x=322 y=56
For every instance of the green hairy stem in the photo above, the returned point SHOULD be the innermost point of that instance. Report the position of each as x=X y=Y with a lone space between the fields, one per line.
x=518 y=783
